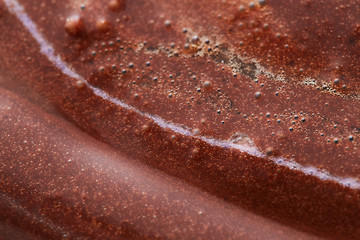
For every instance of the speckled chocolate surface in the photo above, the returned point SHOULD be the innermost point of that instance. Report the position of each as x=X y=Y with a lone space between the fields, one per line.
x=254 y=103
x=67 y=185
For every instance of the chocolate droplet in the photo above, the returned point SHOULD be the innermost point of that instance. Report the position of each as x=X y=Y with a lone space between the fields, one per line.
x=74 y=25
x=102 y=25
x=116 y=5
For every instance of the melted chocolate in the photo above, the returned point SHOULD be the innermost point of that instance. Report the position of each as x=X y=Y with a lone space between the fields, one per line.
x=254 y=103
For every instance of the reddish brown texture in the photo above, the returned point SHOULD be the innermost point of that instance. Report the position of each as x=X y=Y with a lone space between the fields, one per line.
x=146 y=58
x=234 y=100
x=316 y=39
x=80 y=188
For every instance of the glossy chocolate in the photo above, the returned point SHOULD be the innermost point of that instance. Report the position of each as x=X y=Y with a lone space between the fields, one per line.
x=253 y=102
x=69 y=186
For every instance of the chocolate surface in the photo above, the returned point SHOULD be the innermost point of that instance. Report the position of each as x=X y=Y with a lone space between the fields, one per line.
x=254 y=102
x=68 y=185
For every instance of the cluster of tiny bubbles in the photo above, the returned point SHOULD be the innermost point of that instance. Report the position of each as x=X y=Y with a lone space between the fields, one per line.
x=252 y=5
x=74 y=24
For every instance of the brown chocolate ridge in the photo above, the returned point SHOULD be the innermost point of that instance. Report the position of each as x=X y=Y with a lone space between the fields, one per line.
x=66 y=185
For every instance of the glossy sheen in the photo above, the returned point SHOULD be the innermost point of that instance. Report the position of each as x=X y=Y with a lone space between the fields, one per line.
x=254 y=103
x=69 y=186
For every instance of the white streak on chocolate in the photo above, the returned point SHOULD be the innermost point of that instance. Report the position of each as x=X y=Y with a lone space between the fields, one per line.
x=48 y=50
